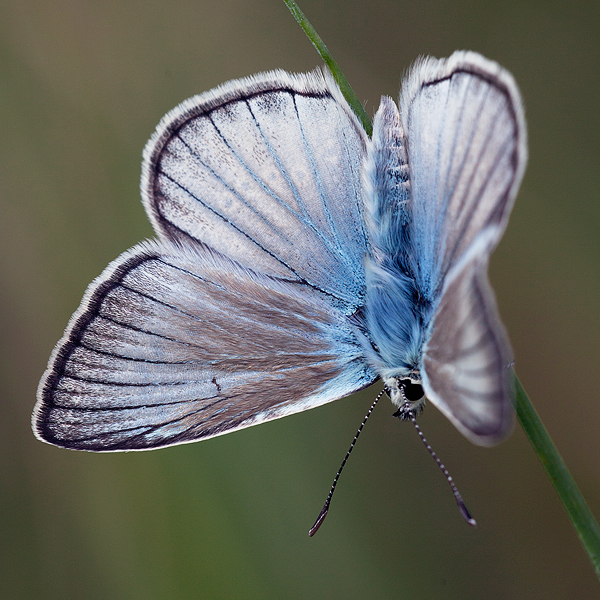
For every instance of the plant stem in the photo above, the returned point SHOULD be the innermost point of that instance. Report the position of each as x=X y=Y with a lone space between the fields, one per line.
x=583 y=521
x=339 y=77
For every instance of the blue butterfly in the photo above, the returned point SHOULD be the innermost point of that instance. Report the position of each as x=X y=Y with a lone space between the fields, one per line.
x=298 y=261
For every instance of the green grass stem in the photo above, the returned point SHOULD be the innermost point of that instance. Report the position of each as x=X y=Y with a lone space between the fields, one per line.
x=583 y=521
x=339 y=77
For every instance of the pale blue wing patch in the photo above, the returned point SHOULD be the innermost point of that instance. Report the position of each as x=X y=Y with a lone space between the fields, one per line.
x=265 y=170
x=466 y=144
x=171 y=345
x=466 y=360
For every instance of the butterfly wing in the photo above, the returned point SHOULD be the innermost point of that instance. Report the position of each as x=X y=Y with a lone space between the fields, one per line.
x=240 y=313
x=466 y=359
x=265 y=170
x=466 y=146
x=173 y=344
x=442 y=174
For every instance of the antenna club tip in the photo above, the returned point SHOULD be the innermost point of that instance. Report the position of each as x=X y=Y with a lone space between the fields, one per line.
x=466 y=514
x=318 y=522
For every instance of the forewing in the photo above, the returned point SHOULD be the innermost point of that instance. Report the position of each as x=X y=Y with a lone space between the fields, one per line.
x=466 y=360
x=466 y=144
x=267 y=171
x=173 y=344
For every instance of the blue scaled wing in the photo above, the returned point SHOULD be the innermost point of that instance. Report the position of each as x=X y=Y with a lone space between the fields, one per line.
x=467 y=149
x=267 y=171
x=238 y=314
x=466 y=146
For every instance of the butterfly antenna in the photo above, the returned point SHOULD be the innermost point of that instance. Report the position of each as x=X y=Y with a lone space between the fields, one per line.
x=459 y=499
x=325 y=508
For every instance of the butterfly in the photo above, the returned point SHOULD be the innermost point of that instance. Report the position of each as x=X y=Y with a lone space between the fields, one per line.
x=297 y=261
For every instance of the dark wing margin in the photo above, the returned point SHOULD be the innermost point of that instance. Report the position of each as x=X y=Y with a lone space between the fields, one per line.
x=172 y=345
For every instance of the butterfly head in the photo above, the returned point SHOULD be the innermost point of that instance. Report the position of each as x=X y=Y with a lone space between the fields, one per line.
x=406 y=393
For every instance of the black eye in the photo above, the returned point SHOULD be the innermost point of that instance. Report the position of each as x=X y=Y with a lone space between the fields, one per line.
x=412 y=391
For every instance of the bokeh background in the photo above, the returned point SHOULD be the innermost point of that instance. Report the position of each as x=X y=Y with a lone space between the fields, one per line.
x=82 y=86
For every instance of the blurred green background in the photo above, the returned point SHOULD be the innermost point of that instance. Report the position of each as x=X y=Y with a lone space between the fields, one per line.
x=83 y=84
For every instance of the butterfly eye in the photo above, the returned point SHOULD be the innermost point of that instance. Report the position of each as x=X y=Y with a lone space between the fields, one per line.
x=412 y=391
